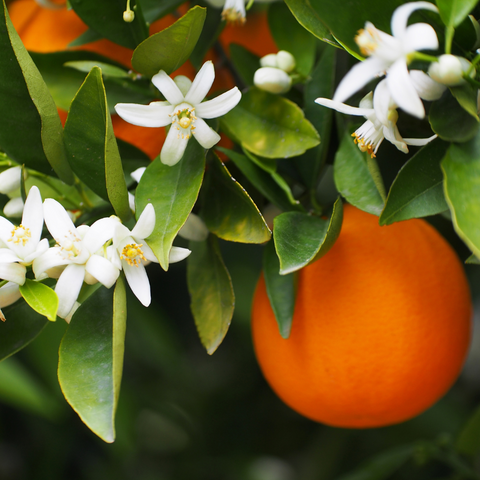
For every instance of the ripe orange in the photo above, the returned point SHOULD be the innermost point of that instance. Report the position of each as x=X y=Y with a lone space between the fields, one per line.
x=380 y=330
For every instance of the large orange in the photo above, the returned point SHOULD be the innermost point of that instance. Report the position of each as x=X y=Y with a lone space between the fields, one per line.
x=381 y=326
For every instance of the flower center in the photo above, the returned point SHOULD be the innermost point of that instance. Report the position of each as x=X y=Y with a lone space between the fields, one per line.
x=132 y=254
x=368 y=40
x=183 y=120
x=20 y=234
x=70 y=247
x=231 y=15
x=368 y=138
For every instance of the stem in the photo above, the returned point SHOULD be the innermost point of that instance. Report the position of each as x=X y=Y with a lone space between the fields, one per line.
x=449 y=31
x=421 y=56
x=313 y=200
x=376 y=176
x=86 y=201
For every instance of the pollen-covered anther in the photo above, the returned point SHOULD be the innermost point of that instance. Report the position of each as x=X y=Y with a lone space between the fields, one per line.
x=367 y=40
x=132 y=254
x=20 y=234
x=233 y=16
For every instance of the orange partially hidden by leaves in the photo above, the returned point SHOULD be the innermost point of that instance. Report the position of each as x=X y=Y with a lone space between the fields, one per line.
x=381 y=326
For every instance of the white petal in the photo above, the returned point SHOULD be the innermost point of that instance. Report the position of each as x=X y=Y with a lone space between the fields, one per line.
x=382 y=101
x=50 y=259
x=156 y=114
x=419 y=142
x=138 y=173
x=7 y=256
x=99 y=233
x=102 y=270
x=393 y=136
x=57 y=219
x=220 y=105
x=177 y=254
x=13 y=272
x=138 y=280
x=9 y=294
x=148 y=252
x=68 y=287
x=426 y=87
x=168 y=88
x=359 y=76
x=10 y=180
x=401 y=14
x=194 y=229
x=174 y=147
x=343 y=108
x=145 y=223
x=201 y=84
x=68 y=318
x=6 y=228
x=206 y=136
x=42 y=247
x=131 y=202
x=419 y=36
x=33 y=218
x=402 y=89
x=14 y=207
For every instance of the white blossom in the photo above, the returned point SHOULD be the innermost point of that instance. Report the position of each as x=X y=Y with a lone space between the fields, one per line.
x=273 y=80
x=184 y=110
x=449 y=70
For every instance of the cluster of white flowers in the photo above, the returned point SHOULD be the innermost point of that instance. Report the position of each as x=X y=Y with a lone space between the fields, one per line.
x=90 y=254
x=402 y=88
x=273 y=74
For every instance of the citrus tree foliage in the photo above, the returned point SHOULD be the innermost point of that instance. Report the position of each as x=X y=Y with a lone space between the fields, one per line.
x=405 y=144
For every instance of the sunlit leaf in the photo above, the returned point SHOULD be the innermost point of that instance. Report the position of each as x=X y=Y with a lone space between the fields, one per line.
x=453 y=12
x=41 y=298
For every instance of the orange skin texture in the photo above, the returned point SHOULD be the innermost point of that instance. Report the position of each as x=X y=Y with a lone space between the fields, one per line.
x=381 y=327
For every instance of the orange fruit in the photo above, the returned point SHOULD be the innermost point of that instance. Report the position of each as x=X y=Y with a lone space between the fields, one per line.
x=380 y=330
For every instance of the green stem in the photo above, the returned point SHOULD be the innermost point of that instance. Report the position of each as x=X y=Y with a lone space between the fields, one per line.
x=313 y=200
x=421 y=56
x=376 y=176
x=449 y=32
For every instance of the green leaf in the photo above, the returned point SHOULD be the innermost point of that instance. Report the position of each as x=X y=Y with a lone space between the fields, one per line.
x=466 y=96
x=321 y=84
x=453 y=12
x=468 y=441
x=30 y=128
x=106 y=18
x=169 y=49
x=354 y=179
x=342 y=21
x=153 y=9
x=296 y=40
x=301 y=239
x=21 y=326
x=267 y=164
x=88 y=36
x=450 y=121
x=383 y=465
x=211 y=292
x=262 y=181
x=91 y=359
x=461 y=169
x=228 y=210
x=473 y=260
x=92 y=148
x=418 y=188
x=270 y=126
x=107 y=69
x=173 y=192
x=280 y=290
x=245 y=62
x=41 y=298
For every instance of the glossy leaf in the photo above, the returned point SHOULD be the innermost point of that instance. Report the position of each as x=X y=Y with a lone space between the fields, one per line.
x=461 y=169
x=41 y=298
x=262 y=181
x=354 y=179
x=211 y=292
x=267 y=164
x=301 y=239
x=30 y=128
x=173 y=192
x=153 y=9
x=21 y=326
x=453 y=12
x=450 y=121
x=270 y=126
x=106 y=18
x=321 y=84
x=92 y=148
x=323 y=16
x=418 y=188
x=91 y=359
x=280 y=290
x=466 y=96
x=169 y=49
x=296 y=40
x=228 y=210
x=246 y=63
x=468 y=441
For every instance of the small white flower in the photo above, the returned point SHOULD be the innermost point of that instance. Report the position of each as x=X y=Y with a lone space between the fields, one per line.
x=10 y=180
x=183 y=109
x=131 y=253
x=380 y=112
x=286 y=61
x=74 y=258
x=390 y=54
x=273 y=80
x=449 y=70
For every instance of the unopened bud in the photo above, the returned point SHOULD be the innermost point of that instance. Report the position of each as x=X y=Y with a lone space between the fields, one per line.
x=14 y=207
x=449 y=70
x=286 y=61
x=269 y=60
x=272 y=80
x=10 y=180
x=128 y=16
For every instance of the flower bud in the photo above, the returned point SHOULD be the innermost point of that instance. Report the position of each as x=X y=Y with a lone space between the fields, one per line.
x=269 y=60
x=9 y=294
x=286 y=61
x=14 y=207
x=128 y=16
x=449 y=70
x=272 y=80
x=10 y=180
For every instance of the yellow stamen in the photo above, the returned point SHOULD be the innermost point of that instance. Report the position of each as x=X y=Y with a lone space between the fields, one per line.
x=132 y=254
x=20 y=234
